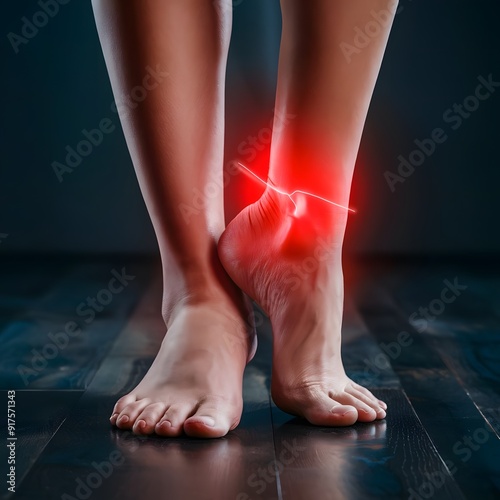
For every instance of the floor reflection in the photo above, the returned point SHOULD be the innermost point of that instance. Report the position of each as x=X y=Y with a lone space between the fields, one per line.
x=181 y=468
x=329 y=463
x=311 y=462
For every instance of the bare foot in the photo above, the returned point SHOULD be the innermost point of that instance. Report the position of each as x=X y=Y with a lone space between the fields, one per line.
x=195 y=383
x=288 y=259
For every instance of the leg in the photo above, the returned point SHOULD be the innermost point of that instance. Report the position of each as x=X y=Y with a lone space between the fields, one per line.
x=297 y=271
x=175 y=138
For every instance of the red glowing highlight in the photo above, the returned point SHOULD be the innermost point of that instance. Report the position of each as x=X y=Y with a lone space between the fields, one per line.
x=297 y=191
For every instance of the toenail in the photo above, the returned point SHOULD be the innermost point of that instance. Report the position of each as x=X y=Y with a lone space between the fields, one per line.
x=209 y=421
x=346 y=413
x=165 y=423
x=113 y=416
x=141 y=424
x=342 y=414
x=123 y=419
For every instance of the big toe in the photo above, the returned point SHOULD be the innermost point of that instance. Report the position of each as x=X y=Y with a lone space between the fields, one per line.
x=328 y=412
x=318 y=409
x=210 y=422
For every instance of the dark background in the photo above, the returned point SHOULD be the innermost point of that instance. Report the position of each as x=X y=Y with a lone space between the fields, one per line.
x=57 y=85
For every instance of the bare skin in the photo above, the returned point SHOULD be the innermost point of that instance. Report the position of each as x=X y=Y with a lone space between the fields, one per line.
x=194 y=383
x=286 y=257
x=297 y=278
x=175 y=138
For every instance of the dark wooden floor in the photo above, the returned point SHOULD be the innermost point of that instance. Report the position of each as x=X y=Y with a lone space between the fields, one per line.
x=441 y=381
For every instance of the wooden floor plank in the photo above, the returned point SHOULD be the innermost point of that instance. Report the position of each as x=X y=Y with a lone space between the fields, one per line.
x=389 y=459
x=40 y=352
x=363 y=358
x=421 y=382
x=465 y=441
x=466 y=334
x=38 y=415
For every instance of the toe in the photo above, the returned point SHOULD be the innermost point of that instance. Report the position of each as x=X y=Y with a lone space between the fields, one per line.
x=343 y=415
x=372 y=402
x=203 y=425
x=164 y=428
x=326 y=411
x=365 y=412
x=120 y=405
x=363 y=390
x=149 y=417
x=171 y=424
x=210 y=421
x=366 y=392
x=127 y=417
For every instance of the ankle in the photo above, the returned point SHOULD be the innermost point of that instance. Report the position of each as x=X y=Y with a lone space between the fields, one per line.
x=178 y=294
x=327 y=217
x=315 y=230
x=215 y=291
x=277 y=206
